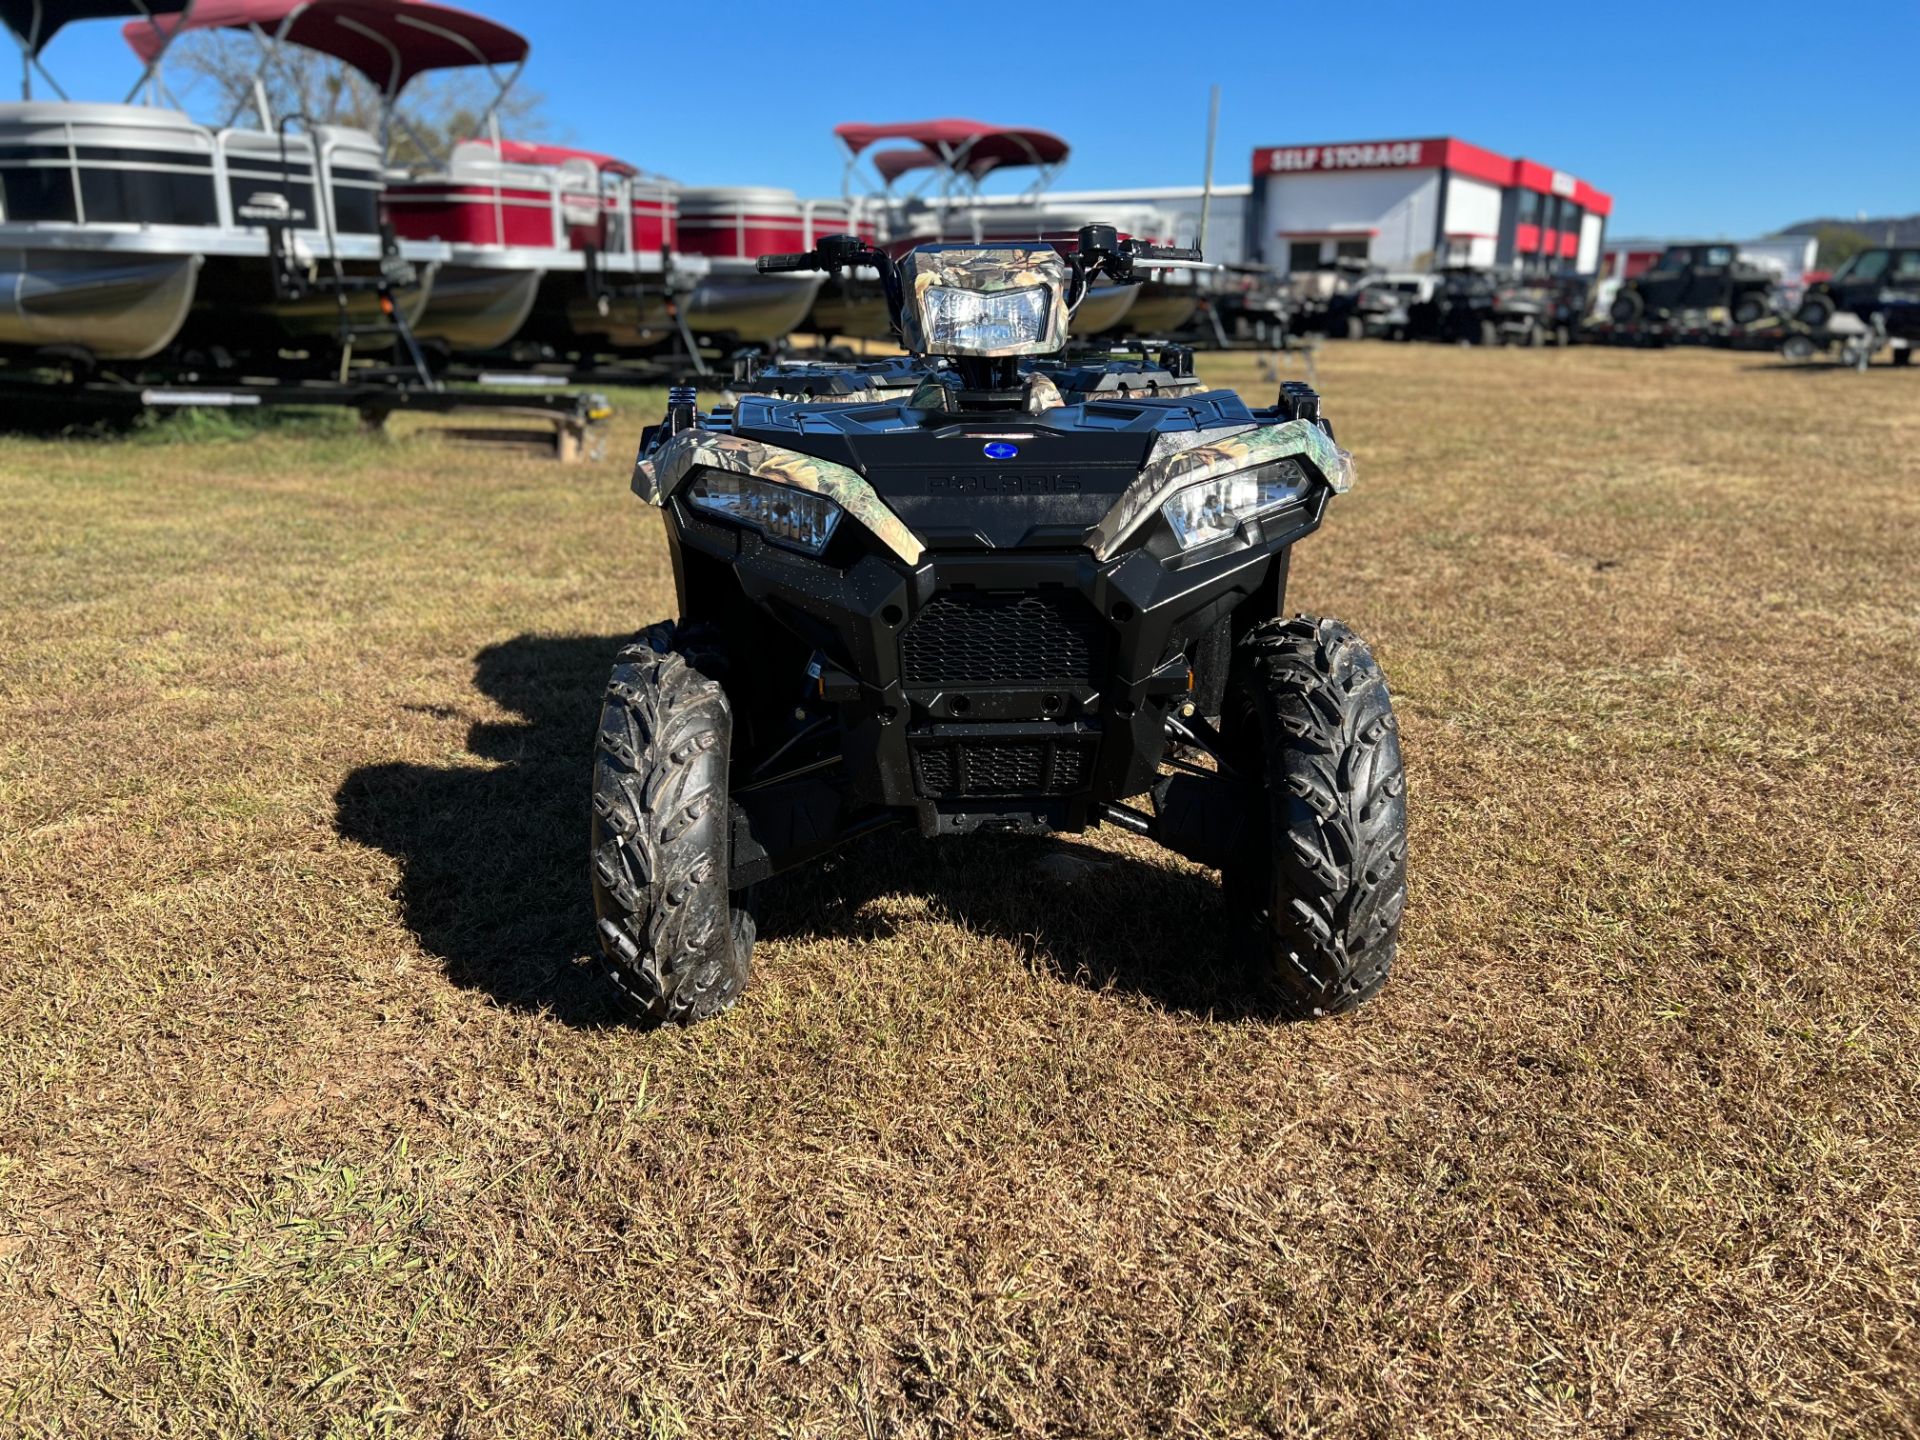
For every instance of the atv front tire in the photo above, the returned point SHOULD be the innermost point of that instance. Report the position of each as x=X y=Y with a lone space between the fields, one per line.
x=1323 y=873
x=676 y=948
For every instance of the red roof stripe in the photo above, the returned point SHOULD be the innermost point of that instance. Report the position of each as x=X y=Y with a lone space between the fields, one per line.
x=1475 y=163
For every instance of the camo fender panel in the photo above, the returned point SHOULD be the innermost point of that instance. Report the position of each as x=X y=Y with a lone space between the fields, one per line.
x=1181 y=460
x=658 y=479
x=986 y=271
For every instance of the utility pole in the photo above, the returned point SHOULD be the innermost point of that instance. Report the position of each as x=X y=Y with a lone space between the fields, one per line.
x=1206 y=191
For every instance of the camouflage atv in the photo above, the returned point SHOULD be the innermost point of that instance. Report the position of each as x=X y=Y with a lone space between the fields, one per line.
x=982 y=588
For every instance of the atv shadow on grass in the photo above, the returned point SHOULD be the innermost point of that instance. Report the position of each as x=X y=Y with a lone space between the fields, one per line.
x=493 y=855
x=493 y=862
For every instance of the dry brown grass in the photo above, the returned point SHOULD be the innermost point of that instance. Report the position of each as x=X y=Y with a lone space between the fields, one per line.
x=312 y=1121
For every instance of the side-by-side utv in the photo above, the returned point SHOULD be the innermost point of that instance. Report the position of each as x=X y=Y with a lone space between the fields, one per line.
x=1695 y=283
x=1474 y=307
x=983 y=588
x=1879 y=287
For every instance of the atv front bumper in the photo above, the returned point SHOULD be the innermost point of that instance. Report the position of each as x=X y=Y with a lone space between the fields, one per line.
x=1013 y=689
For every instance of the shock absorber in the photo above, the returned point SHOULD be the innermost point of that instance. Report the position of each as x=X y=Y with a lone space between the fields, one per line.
x=683 y=408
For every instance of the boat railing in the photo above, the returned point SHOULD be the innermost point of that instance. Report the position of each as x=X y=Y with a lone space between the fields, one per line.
x=324 y=184
x=79 y=164
x=482 y=200
x=66 y=163
x=520 y=205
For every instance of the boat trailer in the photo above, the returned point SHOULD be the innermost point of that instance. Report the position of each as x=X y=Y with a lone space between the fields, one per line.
x=573 y=424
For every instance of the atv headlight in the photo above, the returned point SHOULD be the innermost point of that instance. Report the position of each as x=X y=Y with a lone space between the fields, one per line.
x=1213 y=509
x=784 y=514
x=969 y=321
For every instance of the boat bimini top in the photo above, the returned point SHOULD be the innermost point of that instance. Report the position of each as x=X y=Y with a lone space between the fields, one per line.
x=34 y=23
x=390 y=42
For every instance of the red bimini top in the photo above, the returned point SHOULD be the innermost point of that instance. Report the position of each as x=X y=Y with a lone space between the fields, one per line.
x=388 y=41
x=892 y=164
x=969 y=146
x=528 y=152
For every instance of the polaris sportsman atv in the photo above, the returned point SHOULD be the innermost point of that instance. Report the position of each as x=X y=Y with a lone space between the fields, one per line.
x=985 y=588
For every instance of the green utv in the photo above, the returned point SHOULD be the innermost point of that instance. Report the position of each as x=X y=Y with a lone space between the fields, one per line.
x=985 y=587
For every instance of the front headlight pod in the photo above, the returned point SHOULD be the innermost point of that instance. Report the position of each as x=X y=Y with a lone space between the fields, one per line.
x=968 y=321
x=784 y=514
x=1214 y=509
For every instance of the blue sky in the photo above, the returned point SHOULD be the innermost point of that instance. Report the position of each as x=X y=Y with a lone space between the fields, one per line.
x=1732 y=122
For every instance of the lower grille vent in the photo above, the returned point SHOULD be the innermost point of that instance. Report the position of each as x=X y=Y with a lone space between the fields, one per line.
x=1000 y=767
x=969 y=637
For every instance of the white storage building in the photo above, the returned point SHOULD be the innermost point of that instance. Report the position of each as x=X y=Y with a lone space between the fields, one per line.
x=1418 y=204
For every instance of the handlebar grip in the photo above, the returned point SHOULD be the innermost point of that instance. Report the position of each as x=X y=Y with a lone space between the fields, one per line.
x=769 y=264
x=1163 y=252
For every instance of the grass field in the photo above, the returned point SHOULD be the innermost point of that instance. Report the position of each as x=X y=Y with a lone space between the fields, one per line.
x=313 y=1121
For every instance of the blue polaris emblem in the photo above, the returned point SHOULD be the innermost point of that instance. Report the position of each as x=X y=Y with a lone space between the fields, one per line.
x=1001 y=450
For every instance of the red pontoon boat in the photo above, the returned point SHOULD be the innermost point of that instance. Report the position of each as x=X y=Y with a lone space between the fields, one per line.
x=522 y=237
x=733 y=226
x=624 y=223
x=481 y=291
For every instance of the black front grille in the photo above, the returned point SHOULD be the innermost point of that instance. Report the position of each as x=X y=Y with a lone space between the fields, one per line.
x=977 y=637
x=954 y=769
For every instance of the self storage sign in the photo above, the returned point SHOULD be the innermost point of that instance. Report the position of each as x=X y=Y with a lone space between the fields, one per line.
x=1379 y=155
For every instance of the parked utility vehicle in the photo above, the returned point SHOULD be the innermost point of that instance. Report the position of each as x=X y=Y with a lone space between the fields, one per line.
x=1872 y=282
x=986 y=589
x=1693 y=282
x=1473 y=307
x=1385 y=306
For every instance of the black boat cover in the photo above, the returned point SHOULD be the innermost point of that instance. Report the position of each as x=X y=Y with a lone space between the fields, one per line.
x=36 y=22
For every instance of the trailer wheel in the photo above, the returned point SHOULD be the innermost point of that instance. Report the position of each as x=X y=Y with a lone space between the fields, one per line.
x=1563 y=335
x=1356 y=328
x=1536 y=335
x=1816 y=312
x=1489 y=332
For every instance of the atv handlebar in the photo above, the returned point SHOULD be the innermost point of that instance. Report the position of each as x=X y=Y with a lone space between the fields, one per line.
x=1098 y=250
x=768 y=264
x=1186 y=255
x=1101 y=251
x=836 y=252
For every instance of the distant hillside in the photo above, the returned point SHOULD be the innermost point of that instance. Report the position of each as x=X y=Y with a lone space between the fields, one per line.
x=1906 y=229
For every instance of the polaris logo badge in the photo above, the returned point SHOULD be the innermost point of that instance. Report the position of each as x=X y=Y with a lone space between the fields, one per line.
x=1000 y=450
